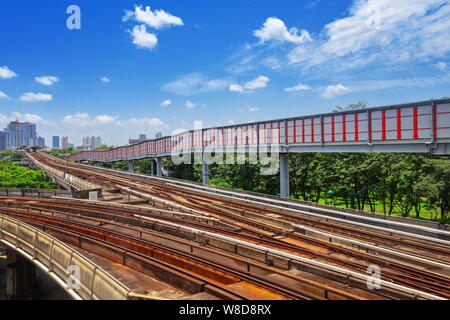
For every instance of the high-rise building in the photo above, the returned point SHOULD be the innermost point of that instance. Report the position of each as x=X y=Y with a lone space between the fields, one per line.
x=38 y=141
x=10 y=140
x=97 y=142
x=18 y=134
x=90 y=143
x=65 y=142
x=22 y=133
x=142 y=137
x=55 y=142
x=41 y=142
x=2 y=140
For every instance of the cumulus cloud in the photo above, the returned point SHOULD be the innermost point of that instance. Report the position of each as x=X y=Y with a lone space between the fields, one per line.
x=299 y=87
x=234 y=87
x=257 y=83
x=194 y=83
x=143 y=39
x=275 y=29
x=105 y=79
x=166 y=103
x=157 y=19
x=380 y=31
x=190 y=104
x=334 y=90
x=85 y=120
x=34 y=97
x=441 y=66
x=3 y=95
x=47 y=80
x=6 y=73
x=81 y=119
x=253 y=109
x=32 y=118
x=104 y=119
x=153 y=123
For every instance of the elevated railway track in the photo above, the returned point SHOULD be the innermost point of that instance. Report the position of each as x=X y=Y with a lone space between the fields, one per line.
x=137 y=228
x=276 y=246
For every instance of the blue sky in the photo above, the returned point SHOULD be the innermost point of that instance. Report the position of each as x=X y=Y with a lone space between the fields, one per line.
x=132 y=69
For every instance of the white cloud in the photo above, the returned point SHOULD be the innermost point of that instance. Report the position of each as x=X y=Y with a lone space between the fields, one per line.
x=275 y=29
x=47 y=80
x=29 y=117
x=441 y=66
x=153 y=123
x=231 y=122
x=33 y=97
x=85 y=120
x=166 y=103
x=253 y=109
x=79 y=119
x=104 y=119
x=105 y=80
x=257 y=83
x=299 y=87
x=380 y=31
x=3 y=95
x=272 y=63
x=157 y=19
x=234 y=87
x=194 y=83
x=190 y=105
x=334 y=90
x=143 y=39
x=6 y=73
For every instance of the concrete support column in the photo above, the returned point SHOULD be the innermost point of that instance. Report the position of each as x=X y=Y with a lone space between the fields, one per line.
x=21 y=279
x=284 y=175
x=131 y=166
x=159 y=167
x=205 y=173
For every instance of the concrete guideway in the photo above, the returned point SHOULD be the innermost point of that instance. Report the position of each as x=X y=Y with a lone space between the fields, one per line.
x=254 y=251
x=288 y=228
x=55 y=258
x=406 y=227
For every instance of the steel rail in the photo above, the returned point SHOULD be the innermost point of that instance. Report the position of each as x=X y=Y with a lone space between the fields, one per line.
x=150 y=246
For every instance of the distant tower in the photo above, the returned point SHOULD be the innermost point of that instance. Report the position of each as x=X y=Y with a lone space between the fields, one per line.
x=65 y=142
x=55 y=142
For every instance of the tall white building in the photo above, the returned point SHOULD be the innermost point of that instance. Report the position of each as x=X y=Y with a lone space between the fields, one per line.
x=90 y=143
x=65 y=142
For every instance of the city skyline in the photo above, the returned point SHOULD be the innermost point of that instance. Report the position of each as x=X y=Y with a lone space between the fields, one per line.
x=18 y=134
x=131 y=70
